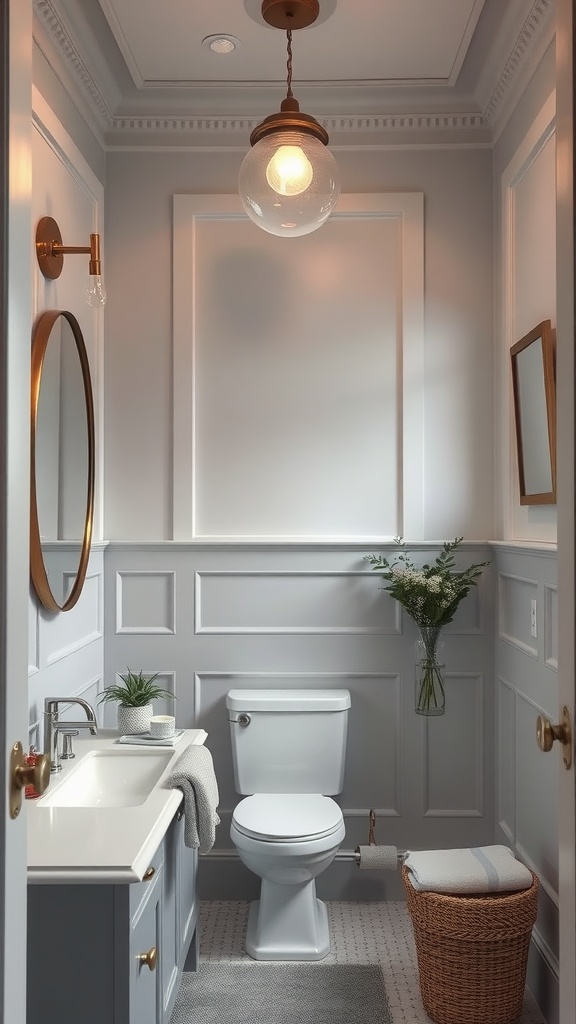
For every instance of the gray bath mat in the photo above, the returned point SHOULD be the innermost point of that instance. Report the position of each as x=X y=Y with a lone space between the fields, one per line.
x=259 y=993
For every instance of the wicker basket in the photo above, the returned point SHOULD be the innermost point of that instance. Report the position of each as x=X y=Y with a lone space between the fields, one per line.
x=472 y=952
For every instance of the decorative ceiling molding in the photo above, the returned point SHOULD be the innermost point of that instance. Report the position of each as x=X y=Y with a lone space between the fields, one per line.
x=485 y=119
x=232 y=125
x=532 y=30
x=68 y=51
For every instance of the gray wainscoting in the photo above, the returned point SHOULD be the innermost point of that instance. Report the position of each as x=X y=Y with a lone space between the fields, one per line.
x=208 y=618
x=526 y=682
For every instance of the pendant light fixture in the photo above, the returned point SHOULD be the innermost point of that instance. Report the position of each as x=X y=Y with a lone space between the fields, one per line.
x=289 y=182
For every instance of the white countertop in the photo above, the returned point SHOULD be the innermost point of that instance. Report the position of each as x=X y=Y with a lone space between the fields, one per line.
x=67 y=845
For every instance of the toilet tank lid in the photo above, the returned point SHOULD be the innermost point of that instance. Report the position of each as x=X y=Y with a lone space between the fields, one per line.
x=288 y=700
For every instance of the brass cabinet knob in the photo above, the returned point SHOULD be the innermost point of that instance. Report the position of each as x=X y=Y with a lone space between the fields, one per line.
x=148 y=874
x=150 y=959
x=547 y=734
x=22 y=775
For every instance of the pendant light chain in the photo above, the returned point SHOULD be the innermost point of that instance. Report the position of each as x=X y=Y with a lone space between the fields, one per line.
x=289 y=93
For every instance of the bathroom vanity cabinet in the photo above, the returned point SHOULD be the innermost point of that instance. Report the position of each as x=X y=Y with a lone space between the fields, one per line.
x=114 y=953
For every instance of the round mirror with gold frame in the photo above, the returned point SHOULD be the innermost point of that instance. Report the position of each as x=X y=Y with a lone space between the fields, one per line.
x=62 y=460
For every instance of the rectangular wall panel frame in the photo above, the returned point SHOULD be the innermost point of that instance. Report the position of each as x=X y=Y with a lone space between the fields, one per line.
x=408 y=209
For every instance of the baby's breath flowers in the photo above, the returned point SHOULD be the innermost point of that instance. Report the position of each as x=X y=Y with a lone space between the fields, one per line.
x=432 y=593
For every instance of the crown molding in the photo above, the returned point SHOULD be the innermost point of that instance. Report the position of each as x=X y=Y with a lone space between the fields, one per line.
x=482 y=123
x=342 y=123
x=62 y=45
x=535 y=35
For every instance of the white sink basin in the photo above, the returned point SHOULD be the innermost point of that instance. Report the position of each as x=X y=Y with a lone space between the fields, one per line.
x=109 y=778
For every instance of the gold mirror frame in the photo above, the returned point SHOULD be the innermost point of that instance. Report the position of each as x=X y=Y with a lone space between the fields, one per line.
x=40 y=339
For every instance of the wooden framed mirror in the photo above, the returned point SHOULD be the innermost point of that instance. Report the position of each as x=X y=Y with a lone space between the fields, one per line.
x=534 y=388
x=62 y=460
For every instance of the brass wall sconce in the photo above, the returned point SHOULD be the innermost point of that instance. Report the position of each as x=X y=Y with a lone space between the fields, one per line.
x=50 y=253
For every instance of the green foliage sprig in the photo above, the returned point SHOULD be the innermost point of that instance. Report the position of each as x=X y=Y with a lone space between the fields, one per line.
x=430 y=593
x=136 y=691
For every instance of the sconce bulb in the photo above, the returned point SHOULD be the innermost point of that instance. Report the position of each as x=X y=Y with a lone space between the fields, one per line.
x=96 y=292
x=289 y=172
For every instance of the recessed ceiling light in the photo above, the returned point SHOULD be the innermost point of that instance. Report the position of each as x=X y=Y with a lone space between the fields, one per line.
x=220 y=43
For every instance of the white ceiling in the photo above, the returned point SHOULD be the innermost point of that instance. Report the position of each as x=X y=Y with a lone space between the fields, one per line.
x=415 y=41
x=381 y=59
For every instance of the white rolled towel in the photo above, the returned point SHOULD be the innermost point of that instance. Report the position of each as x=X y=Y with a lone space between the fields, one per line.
x=470 y=870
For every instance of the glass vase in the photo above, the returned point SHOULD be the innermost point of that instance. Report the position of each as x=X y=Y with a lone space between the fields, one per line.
x=429 y=693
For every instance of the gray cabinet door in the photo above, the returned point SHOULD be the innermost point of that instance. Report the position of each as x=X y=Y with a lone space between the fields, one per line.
x=145 y=971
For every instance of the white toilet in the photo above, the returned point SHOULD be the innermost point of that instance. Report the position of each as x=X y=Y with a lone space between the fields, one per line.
x=288 y=748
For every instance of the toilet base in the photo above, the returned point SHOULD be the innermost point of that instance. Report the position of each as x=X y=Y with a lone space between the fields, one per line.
x=288 y=922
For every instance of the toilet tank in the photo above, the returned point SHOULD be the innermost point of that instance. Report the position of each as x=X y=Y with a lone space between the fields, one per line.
x=288 y=741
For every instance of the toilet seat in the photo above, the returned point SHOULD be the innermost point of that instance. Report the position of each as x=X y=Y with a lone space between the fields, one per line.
x=287 y=817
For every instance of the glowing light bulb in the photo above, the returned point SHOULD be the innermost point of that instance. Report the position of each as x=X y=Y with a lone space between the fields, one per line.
x=289 y=171
x=96 y=292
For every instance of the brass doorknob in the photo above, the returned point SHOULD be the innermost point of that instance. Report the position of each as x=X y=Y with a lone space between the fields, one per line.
x=547 y=734
x=22 y=774
x=150 y=959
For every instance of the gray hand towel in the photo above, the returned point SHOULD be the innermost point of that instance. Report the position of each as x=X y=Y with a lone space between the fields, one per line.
x=194 y=774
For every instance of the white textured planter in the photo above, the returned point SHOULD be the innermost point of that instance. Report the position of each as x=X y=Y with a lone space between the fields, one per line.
x=133 y=720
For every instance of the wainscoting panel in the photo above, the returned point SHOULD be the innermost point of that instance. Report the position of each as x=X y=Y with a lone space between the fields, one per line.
x=69 y=649
x=306 y=616
x=290 y=602
x=145 y=602
x=454 y=768
x=60 y=635
x=506 y=768
x=527 y=779
x=516 y=595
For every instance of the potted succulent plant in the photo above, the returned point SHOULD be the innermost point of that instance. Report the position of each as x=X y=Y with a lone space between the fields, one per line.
x=134 y=697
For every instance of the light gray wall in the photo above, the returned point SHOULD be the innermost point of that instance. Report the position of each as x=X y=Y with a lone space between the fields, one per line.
x=458 y=324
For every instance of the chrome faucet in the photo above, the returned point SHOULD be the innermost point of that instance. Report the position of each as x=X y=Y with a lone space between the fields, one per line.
x=53 y=727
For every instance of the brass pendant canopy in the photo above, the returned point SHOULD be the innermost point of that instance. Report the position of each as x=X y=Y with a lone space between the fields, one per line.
x=287 y=14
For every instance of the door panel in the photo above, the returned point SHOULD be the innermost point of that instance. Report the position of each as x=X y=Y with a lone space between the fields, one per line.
x=566 y=447
x=15 y=289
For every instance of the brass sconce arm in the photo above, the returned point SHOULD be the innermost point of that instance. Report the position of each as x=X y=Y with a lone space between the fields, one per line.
x=50 y=250
x=50 y=253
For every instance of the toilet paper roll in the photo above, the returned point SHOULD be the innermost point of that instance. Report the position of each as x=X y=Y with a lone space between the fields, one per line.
x=370 y=858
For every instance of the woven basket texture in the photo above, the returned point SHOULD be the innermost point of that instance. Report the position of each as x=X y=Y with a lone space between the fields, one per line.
x=472 y=952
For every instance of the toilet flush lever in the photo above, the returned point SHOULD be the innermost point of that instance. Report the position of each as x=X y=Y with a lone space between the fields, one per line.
x=244 y=719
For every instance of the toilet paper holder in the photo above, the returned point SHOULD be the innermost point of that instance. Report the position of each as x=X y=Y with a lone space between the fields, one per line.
x=381 y=857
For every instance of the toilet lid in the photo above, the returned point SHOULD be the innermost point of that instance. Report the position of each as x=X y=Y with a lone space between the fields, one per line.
x=282 y=817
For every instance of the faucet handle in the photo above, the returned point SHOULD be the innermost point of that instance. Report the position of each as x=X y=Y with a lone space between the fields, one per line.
x=67 y=752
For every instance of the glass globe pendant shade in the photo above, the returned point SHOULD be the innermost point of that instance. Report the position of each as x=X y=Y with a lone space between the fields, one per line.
x=289 y=183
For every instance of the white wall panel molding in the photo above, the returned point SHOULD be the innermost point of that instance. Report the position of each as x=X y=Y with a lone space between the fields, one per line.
x=246 y=602
x=551 y=626
x=146 y=601
x=548 y=888
x=33 y=634
x=77 y=173
x=219 y=497
x=528 y=297
x=515 y=594
x=536 y=787
x=67 y=632
x=454 y=786
x=506 y=758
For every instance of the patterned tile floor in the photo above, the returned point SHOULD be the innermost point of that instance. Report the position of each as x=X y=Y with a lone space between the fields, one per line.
x=362 y=933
